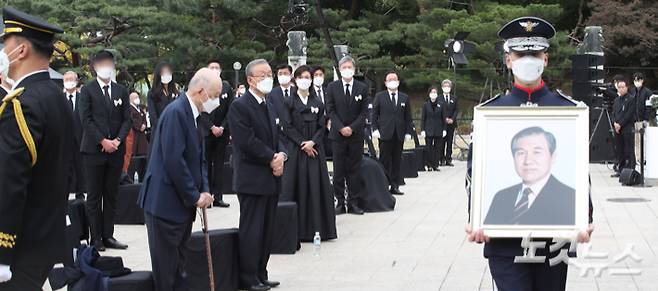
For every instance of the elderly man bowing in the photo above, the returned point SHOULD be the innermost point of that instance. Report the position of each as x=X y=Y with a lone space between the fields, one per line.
x=258 y=158
x=176 y=181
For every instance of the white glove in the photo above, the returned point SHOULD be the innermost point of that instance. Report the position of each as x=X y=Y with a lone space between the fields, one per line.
x=5 y=273
x=375 y=134
x=445 y=133
x=422 y=134
x=407 y=137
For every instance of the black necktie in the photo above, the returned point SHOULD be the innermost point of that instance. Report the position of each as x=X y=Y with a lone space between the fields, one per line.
x=395 y=103
x=446 y=97
x=286 y=94
x=320 y=95
x=71 y=102
x=348 y=95
x=106 y=91
x=522 y=206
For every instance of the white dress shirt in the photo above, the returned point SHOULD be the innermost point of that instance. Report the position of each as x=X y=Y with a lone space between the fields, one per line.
x=75 y=96
x=195 y=111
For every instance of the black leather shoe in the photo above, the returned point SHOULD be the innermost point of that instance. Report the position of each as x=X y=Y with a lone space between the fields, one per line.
x=221 y=203
x=259 y=287
x=615 y=175
x=396 y=191
x=436 y=169
x=353 y=209
x=340 y=209
x=450 y=164
x=112 y=243
x=271 y=284
x=98 y=245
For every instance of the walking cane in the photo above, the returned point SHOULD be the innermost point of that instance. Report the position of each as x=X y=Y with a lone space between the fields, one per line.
x=211 y=272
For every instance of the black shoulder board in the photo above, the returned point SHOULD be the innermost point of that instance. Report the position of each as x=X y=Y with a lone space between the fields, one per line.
x=565 y=96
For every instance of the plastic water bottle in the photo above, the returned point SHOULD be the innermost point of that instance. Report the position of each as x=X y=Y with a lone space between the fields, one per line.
x=316 y=244
x=136 y=178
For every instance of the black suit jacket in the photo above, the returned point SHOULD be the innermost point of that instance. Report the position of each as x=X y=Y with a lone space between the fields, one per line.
x=102 y=119
x=450 y=107
x=33 y=199
x=432 y=120
x=641 y=97
x=555 y=205
x=219 y=116
x=347 y=110
x=279 y=102
x=256 y=139
x=157 y=100
x=391 y=118
x=315 y=94
x=623 y=112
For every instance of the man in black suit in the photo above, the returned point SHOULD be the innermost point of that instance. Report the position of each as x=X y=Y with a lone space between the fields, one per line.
x=540 y=198
x=449 y=103
x=642 y=95
x=320 y=92
x=391 y=124
x=76 y=178
x=623 y=117
x=176 y=181
x=347 y=104
x=284 y=91
x=218 y=138
x=258 y=159
x=105 y=114
x=35 y=150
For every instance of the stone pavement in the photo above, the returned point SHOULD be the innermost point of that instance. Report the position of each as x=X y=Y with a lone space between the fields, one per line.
x=422 y=246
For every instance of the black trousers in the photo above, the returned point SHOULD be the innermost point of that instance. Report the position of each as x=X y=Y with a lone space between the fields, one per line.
x=138 y=164
x=215 y=156
x=510 y=276
x=76 y=178
x=26 y=278
x=347 y=156
x=167 y=244
x=625 y=150
x=256 y=231
x=102 y=189
x=432 y=146
x=445 y=153
x=390 y=155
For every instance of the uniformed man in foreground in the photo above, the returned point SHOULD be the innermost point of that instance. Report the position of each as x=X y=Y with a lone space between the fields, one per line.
x=35 y=143
x=526 y=42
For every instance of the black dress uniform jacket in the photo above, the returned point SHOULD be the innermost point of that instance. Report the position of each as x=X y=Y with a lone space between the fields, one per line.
x=33 y=199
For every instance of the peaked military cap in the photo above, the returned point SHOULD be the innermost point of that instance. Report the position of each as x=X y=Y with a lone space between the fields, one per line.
x=527 y=34
x=23 y=24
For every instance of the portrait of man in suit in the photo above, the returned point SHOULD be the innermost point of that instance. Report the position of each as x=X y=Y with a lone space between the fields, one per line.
x=540 y=198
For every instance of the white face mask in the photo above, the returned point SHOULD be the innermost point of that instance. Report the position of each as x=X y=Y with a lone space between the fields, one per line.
x=70 y=85
x=4 y=65
x=637 y=84
x=433 y=96
x=528 y=69
x=445 y=90
x=303 y=84
x=284 y=79
x=136 y=101
x=210 y=104
x=265 y=85
x=347 y=73
x=105 y=72
x=165 y=79
x=318 y=81
x=392 y=85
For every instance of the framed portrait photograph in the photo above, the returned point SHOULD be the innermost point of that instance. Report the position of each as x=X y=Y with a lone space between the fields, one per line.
x=530 y=172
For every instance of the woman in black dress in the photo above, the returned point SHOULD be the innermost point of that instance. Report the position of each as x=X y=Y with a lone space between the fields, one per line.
x=307 y=177
x=431 y=124
x=162 y=92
